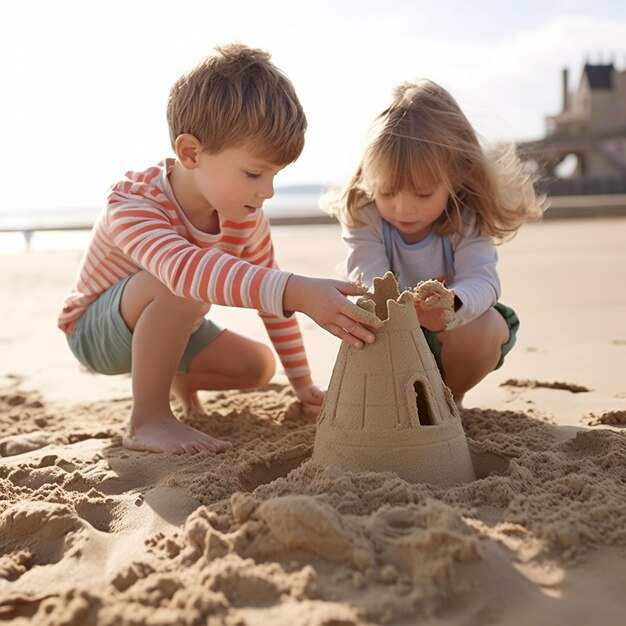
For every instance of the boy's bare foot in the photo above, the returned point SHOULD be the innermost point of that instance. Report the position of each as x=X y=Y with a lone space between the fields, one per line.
x=192 y=407
x=167 y=434
x=189 y=400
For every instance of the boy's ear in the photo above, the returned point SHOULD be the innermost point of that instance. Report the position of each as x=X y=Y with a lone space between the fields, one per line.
x=188 y=149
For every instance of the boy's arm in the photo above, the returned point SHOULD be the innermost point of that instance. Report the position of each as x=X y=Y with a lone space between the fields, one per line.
x=287 y=341
x=146 y=235
x=301 y=294
x=324 y=301
x=286 y=338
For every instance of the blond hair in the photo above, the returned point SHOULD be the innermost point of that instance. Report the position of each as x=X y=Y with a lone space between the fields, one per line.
x=237 y=97
x=424 y=139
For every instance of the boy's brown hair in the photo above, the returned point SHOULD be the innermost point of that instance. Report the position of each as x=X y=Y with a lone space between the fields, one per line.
x=238 y=97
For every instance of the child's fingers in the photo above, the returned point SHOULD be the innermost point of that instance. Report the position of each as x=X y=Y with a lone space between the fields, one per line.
x=431 y=302
x=313 y=397
x=311 y=410
x=355 y=329
x=344 y=335
x=348 y=288
x=363 y=316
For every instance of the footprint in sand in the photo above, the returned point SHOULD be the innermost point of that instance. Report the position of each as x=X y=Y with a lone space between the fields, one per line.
x=27 y=442
x=41 y=528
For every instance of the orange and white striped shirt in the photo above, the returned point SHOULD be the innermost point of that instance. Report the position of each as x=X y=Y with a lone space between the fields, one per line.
x=143 y=227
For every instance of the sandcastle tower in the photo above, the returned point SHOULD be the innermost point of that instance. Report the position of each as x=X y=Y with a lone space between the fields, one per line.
x=387 y=407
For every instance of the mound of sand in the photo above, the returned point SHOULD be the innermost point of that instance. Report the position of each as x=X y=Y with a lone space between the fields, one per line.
x=91 y=533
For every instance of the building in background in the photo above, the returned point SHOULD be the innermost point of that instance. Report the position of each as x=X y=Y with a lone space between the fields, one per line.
x=584 y=150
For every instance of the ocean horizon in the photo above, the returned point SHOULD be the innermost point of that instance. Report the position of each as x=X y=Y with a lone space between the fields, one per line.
x=66 y=228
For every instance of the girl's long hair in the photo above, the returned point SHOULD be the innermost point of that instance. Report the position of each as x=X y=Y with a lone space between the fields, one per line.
x=424 y=139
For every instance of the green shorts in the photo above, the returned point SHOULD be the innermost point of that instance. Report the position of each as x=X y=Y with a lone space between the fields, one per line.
x=102 y=342
x=511 y=319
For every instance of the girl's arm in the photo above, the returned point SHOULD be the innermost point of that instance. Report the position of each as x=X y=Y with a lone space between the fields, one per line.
x=476 y=282
x=366 y=248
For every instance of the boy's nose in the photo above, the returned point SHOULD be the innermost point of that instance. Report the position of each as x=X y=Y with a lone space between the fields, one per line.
x=266 y=191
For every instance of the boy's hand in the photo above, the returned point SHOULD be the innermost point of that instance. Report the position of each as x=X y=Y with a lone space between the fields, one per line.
x=307 y=391
x=324 y=301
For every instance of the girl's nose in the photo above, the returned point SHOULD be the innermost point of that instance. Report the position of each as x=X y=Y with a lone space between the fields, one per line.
x=405 y=206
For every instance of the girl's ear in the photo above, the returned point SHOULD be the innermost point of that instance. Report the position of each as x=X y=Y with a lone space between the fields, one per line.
x=188 y=149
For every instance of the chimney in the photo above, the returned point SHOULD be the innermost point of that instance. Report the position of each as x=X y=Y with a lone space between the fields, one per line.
x=565 y=88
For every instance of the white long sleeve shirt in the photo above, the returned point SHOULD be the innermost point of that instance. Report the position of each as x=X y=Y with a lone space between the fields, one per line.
x=466 y=261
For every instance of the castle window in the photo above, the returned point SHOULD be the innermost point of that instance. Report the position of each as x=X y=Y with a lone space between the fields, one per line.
x=422 y=400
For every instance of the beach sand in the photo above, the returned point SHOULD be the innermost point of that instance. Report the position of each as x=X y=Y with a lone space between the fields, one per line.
x=91 y=533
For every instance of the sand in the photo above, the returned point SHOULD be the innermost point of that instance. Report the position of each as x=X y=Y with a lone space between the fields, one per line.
x=91 y=533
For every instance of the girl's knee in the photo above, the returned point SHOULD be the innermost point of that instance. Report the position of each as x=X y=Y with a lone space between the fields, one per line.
x=480 y=339
x=489 y=329
x=498 y=327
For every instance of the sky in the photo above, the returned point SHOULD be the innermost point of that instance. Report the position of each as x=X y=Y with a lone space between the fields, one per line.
x=83 y=85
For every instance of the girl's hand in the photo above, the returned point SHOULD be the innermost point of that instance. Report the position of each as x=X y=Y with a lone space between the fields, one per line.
x=434 y=304
x=435 y=319
x=324 y=301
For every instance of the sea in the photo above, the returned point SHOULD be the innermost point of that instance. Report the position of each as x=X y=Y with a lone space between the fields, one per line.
x=67 y=228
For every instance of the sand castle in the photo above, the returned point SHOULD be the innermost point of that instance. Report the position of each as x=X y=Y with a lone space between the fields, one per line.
x=387 y=407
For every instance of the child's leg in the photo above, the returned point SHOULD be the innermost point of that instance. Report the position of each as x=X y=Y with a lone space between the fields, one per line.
x=161 y=324
x=470 y=352
x=230 y=361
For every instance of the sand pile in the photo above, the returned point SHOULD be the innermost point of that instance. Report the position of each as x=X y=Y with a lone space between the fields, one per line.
x=93 y=534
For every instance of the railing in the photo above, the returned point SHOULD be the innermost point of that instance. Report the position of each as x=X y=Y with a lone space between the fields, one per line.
x=582 y=186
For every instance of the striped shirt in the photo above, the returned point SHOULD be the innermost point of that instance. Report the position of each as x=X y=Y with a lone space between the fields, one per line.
x=143 y=227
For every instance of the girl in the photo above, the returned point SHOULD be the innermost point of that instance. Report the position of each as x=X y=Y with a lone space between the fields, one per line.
x=427 y=202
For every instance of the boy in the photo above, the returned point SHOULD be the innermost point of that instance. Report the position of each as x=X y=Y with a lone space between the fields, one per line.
x=189 y=232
